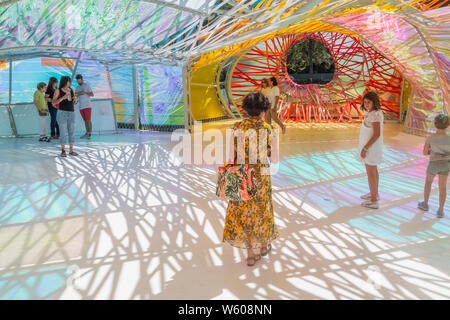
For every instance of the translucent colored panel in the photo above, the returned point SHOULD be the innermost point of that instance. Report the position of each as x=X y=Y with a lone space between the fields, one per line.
x=122 y=87
x=28 y=73
x=102 y=24
x=4 y=81
x=204 y=102
x=102 y=117
x=27 y=120
x=403 y=44
x=95 y=75
x=5 y=126
x=161 y=95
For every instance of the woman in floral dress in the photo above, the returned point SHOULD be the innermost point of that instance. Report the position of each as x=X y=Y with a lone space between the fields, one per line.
x=250 y=224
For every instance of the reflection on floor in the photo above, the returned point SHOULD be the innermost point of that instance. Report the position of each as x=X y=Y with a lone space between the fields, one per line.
x=125 y=221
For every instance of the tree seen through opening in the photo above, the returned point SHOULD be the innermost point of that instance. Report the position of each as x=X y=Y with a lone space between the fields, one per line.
x=310 y=61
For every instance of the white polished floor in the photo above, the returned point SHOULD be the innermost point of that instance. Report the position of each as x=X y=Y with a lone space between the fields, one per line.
x=125 y=221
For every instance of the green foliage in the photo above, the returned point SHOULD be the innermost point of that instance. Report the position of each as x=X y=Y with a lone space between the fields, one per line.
x=298 y=60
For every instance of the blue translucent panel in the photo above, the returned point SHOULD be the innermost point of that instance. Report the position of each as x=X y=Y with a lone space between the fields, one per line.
x=161 y=94
x=28 y=73
x=26 y=118
x=122 y=87
x=5 y=125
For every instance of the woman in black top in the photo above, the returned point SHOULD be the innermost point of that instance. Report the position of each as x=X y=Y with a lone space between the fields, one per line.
x=54 y=128
x=66 y=98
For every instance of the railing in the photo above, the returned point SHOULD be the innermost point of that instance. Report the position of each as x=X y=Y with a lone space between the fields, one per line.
x=23 y=118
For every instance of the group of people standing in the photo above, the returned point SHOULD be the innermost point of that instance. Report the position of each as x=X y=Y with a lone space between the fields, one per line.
x=250 y=224
x=59 y=102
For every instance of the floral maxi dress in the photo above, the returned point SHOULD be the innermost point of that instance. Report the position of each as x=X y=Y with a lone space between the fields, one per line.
x=251 y=223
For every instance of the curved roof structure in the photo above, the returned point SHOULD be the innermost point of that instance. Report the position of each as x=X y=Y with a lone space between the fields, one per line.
x=412 y=34
x=165 y=29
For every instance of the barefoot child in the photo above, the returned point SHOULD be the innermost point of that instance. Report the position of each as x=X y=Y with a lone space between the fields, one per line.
x=437 y=146
x=371 y=145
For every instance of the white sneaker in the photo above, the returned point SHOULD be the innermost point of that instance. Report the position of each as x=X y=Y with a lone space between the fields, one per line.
x=84 y=136
x=370 y=204
x=368 y=196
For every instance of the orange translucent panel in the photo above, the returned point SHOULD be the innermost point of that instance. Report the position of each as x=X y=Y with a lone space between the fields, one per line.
x=52 y=62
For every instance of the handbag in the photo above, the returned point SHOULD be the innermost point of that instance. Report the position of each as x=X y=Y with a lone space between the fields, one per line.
x=236 y=182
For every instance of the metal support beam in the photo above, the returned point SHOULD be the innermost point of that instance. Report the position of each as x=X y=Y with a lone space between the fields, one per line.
x=178 y=7
x=295 y=18
x=187 y=96
x=225 y=104
x=8 y=2
x=10 y=83
x=75 y=67
x=108 y=76
x=10 y=114
x=204 y=84
x=135 y=97
x=401 y=101
x=228 y=85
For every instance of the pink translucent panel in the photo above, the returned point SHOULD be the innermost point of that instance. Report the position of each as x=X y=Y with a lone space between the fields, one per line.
x=410 y=48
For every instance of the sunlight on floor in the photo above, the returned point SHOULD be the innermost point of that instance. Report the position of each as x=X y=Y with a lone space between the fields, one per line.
x=125 y=220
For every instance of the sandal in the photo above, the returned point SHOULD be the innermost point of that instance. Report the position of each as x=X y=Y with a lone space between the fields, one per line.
x=63 y=154
x=422 y=206
x=250 y=259
x=266 y=250
x=73 y=153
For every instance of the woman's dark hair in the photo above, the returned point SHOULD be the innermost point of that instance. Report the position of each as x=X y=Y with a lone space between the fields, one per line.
x=441 y=121
x=255 y=103
x=51 y=81
x=63 y=81
x=274 y=81
x=372 y=96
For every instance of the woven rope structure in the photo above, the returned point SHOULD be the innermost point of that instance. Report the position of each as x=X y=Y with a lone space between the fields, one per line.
x=358 y=68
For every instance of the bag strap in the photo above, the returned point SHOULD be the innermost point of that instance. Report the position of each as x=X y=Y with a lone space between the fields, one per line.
x=241 y=144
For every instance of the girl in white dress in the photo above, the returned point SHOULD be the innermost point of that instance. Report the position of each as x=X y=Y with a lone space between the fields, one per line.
x=265 y=89
x=274 y=98
x=370 y=146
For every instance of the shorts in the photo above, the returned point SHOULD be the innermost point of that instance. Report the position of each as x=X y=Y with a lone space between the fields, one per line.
x=441 y=167
x=86 y=114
